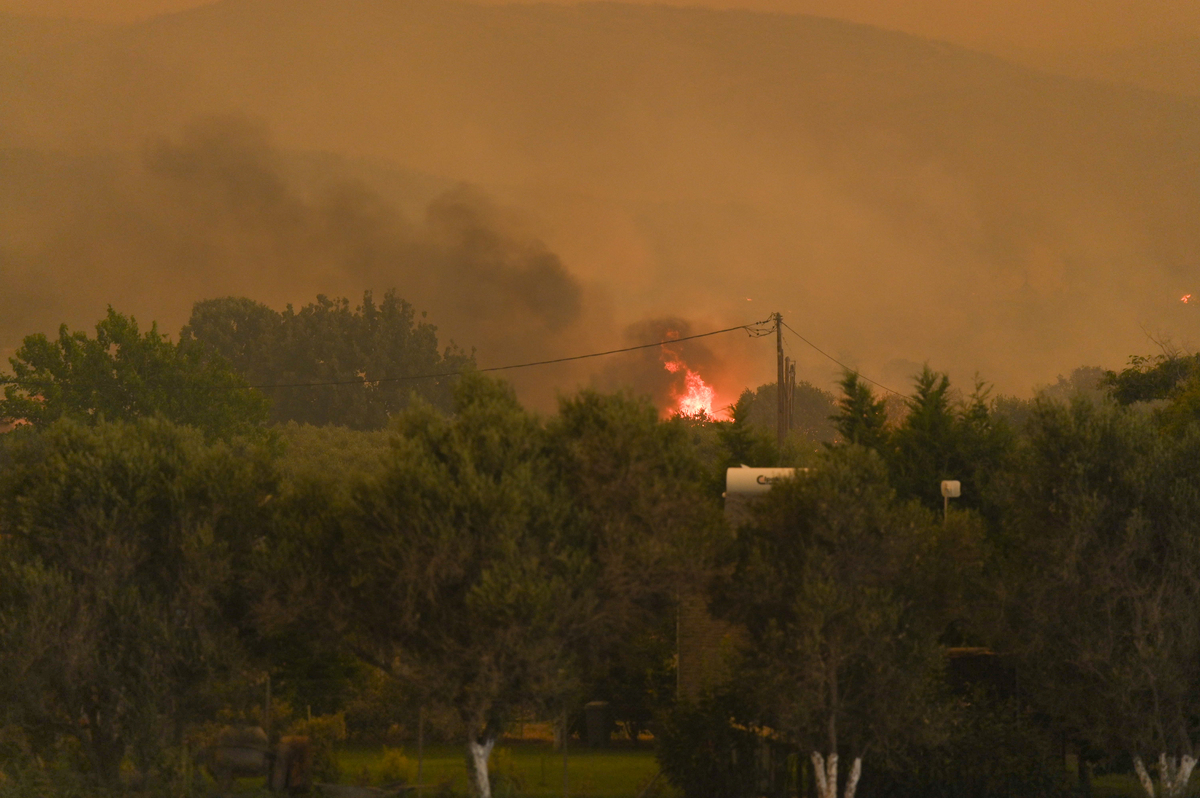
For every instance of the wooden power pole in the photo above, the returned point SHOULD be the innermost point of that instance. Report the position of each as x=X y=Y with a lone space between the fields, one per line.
x=780 y=391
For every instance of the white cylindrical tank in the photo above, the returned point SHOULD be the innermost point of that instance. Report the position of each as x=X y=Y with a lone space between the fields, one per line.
x=746 y=481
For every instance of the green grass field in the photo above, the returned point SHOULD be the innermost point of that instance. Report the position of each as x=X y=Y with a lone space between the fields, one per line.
x=531 y=770
x=535 y=770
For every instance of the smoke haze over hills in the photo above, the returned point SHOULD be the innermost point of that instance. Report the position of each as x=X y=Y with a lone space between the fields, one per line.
x=541 y=177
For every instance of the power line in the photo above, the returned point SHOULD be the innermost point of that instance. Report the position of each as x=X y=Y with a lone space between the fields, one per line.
x=755 y=330
x=840 y=363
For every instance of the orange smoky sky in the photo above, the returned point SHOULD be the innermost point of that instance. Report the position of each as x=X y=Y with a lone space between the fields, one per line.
x=551 y=179
x=992 y=24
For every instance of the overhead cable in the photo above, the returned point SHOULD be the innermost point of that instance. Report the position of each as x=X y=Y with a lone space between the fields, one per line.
x=840 y=363
x=755 y=330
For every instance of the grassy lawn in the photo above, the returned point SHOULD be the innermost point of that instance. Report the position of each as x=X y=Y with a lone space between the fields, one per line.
x=535 y=770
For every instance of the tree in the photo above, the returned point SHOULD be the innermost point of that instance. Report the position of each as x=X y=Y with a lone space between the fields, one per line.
x=120 y=548
x=1172 y=379
x=456 y=572
x=1146 y=379
x=123 y=374
x=640 y=515
x=747 y=443
x=842 y=594
x=1102 y=543
x=861 y=418
x=372 y=349
x=941 y=439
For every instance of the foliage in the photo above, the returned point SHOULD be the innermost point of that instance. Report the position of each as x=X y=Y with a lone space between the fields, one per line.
x=991 y=749
x=811 y=411
x=1147 y=379
x=634 y=488
x=843 y=594
x=324 y=733
x=860 y=418
x=118 y=598
x=123 y=374
x=1102 y=562
x=941 y=441
x=395 y=767
x=330 y=341
x=748 y=443
x=706 y=752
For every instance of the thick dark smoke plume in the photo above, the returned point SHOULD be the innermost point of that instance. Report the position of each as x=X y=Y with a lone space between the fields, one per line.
x=897 y=199
x=216 y=212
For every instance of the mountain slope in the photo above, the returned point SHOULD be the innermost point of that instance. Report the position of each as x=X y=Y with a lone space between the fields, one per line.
x=912 y=199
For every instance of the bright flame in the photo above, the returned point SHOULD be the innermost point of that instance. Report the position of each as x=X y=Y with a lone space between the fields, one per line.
x=1186 y=298
x=697 y=399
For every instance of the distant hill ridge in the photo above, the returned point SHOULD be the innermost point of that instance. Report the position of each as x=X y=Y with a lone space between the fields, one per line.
x=791 y=157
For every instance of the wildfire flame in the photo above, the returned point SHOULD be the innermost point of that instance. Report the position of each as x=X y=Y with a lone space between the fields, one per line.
x=1186 y=298
x=697 y=397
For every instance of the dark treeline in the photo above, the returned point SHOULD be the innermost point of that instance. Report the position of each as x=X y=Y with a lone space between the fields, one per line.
x=172 y=541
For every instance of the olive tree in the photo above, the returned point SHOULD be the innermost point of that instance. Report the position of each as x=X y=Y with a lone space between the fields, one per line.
x=455 y=571
x=843 y=593
x=120 y=546
x=1102 y=542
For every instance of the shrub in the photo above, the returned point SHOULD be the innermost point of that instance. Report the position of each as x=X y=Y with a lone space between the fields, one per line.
x=324 y=732
x=395 y=767
x=705 y=753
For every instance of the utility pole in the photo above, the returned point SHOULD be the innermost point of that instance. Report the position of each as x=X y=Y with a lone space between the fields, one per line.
x=780 y=392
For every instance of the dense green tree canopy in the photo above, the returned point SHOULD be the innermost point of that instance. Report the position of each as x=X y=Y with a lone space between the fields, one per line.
x=844 y=593
x=639 y=515
x=373 y=348
x=122 y=374
x=943 y=439
x=860 y=417
x=1101 y=534
x=120 y=546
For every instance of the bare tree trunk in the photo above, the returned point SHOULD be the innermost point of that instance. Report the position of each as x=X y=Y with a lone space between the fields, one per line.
x=1143 y=776
x=855 y=774
x=1173 y=774
x=477 y=765
x=826 y=773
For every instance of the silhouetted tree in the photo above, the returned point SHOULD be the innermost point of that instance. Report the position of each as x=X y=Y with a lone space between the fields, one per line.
x=860 y=418
x=372 y=348
x=123 y=374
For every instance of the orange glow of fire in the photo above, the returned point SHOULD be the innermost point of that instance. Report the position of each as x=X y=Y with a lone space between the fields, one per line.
x=1186 y=298
x=697 y=397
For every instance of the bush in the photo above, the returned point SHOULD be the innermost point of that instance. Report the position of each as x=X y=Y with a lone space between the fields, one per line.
x=705 y=753
x=395 y=767
x=993 y=750
x=324 y=732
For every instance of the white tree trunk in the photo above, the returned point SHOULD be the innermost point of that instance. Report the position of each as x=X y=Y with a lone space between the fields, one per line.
x=826 y=771
x=1143 y=776
x=855 y=774
x=477 y=759
x=827 y=775
x=1173 y=774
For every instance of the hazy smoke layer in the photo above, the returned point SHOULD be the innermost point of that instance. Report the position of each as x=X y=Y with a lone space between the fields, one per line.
x=215 y=213
x=898 y=200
